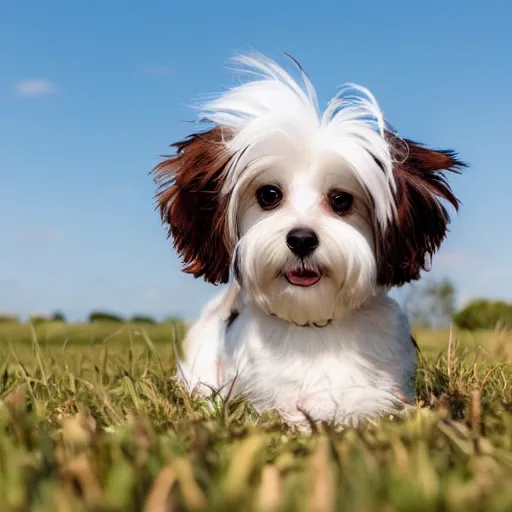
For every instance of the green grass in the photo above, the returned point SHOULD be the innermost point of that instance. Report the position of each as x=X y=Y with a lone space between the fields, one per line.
x=90 y=419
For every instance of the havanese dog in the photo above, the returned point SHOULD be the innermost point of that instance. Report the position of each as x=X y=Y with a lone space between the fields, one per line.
x=310 y=218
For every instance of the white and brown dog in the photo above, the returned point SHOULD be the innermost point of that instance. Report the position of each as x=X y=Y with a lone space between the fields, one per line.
x=310 y=217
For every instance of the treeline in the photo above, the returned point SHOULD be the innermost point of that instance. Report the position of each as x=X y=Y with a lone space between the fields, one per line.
x=484 y=314
x=430 y=306
x=433 y=304
x=93 y=317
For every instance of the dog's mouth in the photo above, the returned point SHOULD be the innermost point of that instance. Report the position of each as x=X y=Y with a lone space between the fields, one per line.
x=303 y=276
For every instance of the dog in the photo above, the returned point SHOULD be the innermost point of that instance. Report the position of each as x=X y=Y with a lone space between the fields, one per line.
x=310 y=218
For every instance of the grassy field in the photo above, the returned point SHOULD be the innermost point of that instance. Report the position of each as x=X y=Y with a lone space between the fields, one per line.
x=90 y=419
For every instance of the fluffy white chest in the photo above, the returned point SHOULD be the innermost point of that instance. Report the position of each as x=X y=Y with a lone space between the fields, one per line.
x=351 y=369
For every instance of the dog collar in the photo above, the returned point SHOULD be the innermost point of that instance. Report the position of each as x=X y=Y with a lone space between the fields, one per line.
x=312 y=324
x=234 y=313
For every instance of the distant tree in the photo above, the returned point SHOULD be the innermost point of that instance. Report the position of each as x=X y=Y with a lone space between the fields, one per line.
x=58 y=316
x=103 y=316
x=142 y=319
x=38 y=319
x=411 y=300
x=6 y=318
x=441 y=299
x=484 y=314
x=431 y=304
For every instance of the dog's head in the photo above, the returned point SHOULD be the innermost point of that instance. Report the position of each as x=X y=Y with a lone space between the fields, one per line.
x=312 y=213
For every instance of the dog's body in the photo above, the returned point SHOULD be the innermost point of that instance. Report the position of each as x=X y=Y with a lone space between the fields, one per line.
x=351 y=369
x=311 y=218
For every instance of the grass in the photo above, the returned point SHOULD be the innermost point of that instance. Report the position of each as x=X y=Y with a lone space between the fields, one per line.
x=90 y=419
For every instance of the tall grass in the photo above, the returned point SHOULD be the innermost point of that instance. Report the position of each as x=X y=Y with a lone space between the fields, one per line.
x=91 y=419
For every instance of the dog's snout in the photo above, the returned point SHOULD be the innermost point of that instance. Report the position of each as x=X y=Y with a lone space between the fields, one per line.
x=302 y=241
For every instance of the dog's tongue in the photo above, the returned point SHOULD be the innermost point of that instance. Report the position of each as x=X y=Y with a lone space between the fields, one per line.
x=303 y=277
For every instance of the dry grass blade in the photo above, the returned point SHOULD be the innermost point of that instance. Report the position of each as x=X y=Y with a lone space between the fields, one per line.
x=463 y=445
x=270 y=493
x=242 y=466
x=400 y=456
x=80 y=471
x=322 y=495
x=475 y=408
x=37 y=352
x=159 y=498
x=449 y=358
x=78 y=430
x=193 y=496
x=153 y=351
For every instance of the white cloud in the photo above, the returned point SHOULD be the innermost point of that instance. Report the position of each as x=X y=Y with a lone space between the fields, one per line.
x=35 y=88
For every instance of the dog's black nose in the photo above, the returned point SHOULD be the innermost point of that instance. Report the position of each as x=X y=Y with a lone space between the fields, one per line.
x=302 y=241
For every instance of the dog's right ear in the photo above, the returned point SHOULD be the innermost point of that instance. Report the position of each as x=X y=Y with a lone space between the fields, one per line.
x=192 y=205
x=421 y=220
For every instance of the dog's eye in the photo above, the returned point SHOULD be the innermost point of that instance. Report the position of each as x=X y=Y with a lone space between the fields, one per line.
x=269 y=196
x=340 y=202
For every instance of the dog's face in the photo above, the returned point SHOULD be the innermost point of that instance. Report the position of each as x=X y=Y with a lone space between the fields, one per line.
x=306 y=247
x=312 y=214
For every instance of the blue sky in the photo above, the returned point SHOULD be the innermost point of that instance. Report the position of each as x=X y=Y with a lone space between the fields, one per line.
x=91 y=93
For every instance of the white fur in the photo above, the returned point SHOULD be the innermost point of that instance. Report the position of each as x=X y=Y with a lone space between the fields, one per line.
x=273 y=111
x=355 y=368
x=361 y=359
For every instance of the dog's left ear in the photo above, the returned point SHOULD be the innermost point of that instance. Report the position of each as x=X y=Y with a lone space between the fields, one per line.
x=192 y=205
x=420 y=224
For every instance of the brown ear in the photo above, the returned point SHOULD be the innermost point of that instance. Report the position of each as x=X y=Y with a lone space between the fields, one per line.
x=190 y=202
x=420 y=226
